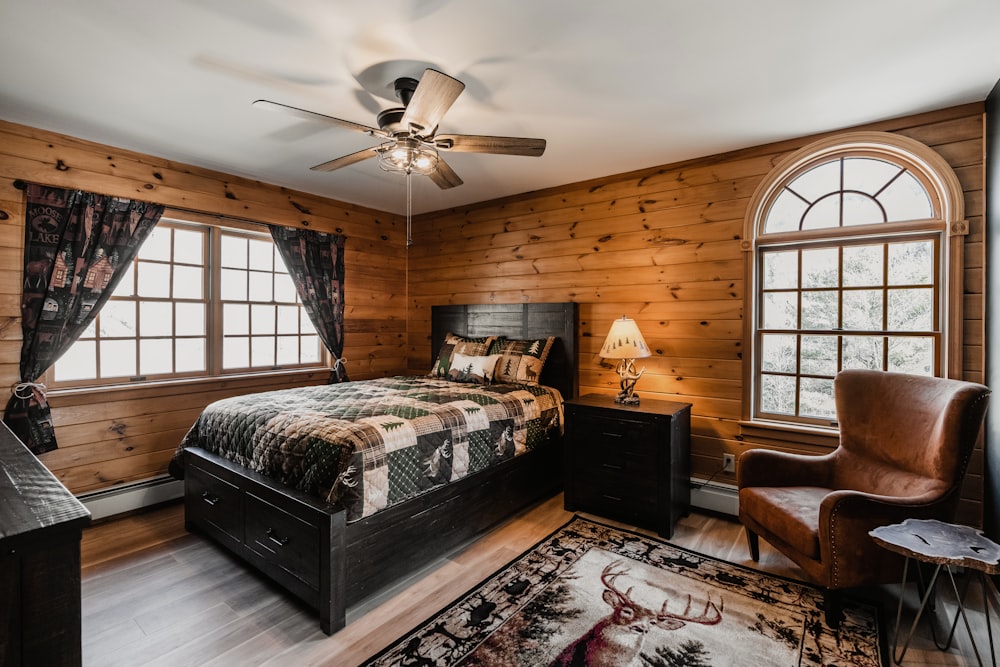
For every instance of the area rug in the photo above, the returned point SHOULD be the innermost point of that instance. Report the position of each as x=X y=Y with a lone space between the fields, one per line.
x=591 y=594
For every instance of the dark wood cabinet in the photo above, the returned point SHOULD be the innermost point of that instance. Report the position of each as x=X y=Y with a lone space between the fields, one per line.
x=40 y=528
x=629 y=462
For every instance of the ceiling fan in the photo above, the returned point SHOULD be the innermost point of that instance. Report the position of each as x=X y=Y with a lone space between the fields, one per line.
x=411 y=143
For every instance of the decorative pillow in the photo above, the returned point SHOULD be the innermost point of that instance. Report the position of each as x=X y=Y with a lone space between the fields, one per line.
x=474 y=370
x=521 y=361
x=471 y=347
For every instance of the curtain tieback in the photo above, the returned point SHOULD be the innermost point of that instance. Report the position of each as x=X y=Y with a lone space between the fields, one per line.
x=25 y=390
x=339 y=362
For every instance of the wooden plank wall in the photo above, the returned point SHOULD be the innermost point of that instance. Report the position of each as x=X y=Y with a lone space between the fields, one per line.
x=662 y=245
x=111 y=437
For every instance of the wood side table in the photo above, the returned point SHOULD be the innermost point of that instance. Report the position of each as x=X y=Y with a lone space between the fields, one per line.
x=628 y=462
x=946 y=545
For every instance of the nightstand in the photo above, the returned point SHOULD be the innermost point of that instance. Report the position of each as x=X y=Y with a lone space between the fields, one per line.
x=631 y=463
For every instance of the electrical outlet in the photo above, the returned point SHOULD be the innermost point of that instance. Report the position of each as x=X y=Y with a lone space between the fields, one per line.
x=728 y=463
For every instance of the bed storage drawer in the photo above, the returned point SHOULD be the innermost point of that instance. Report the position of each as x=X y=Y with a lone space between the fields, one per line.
x=283 y=539
x=214 y=501
x=296 y=540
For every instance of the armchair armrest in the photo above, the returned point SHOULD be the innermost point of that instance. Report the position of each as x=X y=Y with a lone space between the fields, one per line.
x=845 y=517
x=765 y=467
x=846 y=506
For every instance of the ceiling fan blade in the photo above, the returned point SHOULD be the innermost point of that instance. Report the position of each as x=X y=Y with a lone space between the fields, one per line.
x=347 y=160
x=434 y=95
x=444 y=176
x=470 y=143
x=313 y=116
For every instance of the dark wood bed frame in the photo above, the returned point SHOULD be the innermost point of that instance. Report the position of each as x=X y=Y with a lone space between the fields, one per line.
x=306 y=546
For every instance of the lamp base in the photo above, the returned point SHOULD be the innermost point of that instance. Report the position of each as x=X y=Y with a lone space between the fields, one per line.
x=626 y=370
x=627 y=399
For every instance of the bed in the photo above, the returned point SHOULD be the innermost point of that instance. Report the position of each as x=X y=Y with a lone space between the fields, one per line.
x=332 y=544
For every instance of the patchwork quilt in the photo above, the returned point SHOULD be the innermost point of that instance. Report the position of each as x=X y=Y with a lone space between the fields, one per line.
x=371 y=444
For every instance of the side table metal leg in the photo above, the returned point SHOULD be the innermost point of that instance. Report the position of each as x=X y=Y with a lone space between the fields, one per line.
x=986 y=610
x=922 y=587
x=899 y=615
x=961 y=613
x=965 y=618
x=954 y=625
x=928 y=592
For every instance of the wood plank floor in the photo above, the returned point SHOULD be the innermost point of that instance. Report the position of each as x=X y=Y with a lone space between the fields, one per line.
x=155 y=595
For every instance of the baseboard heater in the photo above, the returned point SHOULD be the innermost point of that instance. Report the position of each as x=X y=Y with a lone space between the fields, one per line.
x=129 y=497
x=715 y=496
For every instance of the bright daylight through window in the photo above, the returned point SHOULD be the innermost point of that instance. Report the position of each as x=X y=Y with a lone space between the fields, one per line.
x=198 y=301
x=849 y=273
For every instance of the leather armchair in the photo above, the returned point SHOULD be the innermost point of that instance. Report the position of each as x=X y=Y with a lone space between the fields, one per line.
x=905 y=443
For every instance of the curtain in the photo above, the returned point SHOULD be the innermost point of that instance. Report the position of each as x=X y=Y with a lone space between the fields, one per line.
x=77 y=247
x=315 y=261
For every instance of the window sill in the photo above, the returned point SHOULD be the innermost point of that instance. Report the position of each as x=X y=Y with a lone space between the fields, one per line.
x=186 y=385
x=784 y=435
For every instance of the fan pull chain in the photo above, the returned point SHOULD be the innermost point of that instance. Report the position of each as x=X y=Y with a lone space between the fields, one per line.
x=409 y=209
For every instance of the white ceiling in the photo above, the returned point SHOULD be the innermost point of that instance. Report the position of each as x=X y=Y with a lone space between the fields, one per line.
x=613 y=86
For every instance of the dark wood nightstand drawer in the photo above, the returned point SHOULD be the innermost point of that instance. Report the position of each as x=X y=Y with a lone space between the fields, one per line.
x=282 y=539
x=626 y=430
x=216 y=501
x=615 y=488
x=613 y=456
x=612 y=439
x=625 y=507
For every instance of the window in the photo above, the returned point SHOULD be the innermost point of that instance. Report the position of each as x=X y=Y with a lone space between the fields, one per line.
x=853 y=267
x=198 y=301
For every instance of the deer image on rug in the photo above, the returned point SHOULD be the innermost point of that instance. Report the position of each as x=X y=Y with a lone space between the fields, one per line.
x=569 y=622
x=617 y=639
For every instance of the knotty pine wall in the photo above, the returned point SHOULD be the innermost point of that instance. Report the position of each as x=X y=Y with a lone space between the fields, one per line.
x=110 y=437
x=662 y=245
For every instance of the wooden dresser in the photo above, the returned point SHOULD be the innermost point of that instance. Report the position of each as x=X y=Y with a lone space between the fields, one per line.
x=40 y=528
x=629 y=462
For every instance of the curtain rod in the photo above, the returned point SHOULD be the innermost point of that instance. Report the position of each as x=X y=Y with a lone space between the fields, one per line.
x=219 y=217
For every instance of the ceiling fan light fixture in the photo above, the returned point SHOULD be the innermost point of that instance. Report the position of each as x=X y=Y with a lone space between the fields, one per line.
x=407 y=156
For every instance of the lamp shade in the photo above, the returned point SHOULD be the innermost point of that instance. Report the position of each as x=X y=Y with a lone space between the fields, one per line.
x=625 y=341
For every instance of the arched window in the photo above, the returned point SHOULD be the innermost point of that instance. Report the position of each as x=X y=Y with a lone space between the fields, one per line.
x=857 y=247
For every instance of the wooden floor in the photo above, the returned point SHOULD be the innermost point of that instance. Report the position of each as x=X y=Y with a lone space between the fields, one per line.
x=155 y=595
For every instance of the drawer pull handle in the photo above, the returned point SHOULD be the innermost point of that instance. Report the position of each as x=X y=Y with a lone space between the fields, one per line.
x=280 y=541
x=209 y=498
x=613 y=435
x=614 y=498
x=612 y=466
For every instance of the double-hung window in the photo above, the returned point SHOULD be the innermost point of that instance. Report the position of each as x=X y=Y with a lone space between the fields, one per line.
x=853 y=267
x=198 y=301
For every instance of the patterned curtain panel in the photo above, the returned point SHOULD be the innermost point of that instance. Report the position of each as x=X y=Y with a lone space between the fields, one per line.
x=77 y=246
x=315 y=261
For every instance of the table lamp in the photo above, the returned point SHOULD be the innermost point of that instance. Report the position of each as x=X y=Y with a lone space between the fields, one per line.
x=625 y=342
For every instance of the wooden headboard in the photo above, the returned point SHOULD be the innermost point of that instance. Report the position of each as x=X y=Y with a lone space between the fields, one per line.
x=517 y=320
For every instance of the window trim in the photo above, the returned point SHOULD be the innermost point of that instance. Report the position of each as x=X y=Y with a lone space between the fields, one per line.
x=948 y=204
x=215 y=226
x=935 y=331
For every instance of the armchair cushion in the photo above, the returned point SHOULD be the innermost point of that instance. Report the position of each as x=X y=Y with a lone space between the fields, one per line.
x=792 y=513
